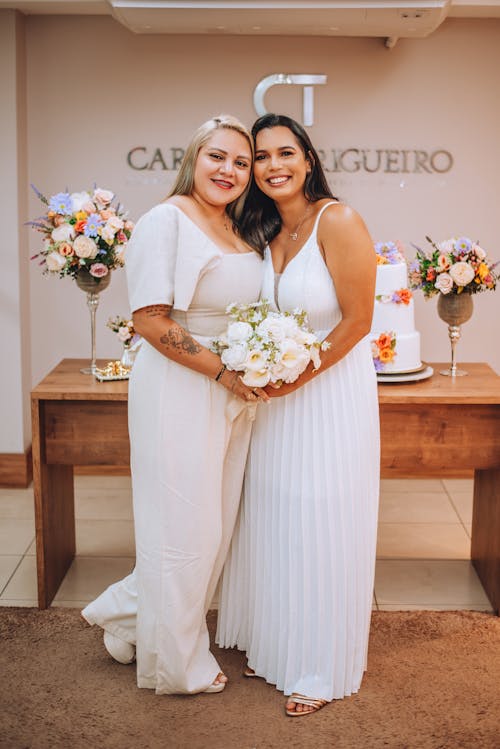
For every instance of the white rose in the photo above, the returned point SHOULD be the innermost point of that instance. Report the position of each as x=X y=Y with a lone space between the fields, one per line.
x=462 y=273
x=78 y=200
x=63 y=233
x=107 y=234
x=305 y=337
x=102 y=197
x=85 y=247
x=480 y=253
x=238 y=332
x=291 y=328
x=278 y=372
x=272 y=327
x=447 y=246
x=114 y=224
x=55 y=262
x=256 y=379
x=293 y=374
x=235 y=356
x=444 y=283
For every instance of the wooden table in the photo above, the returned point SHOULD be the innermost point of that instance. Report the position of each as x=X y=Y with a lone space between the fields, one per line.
x=427 y=427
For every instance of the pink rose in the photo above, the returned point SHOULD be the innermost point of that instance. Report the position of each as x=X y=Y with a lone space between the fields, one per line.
x=102 y=197
x=105 y=214
x=89 y=207
x=444 y=283
x=129 y=225
x=98 y=270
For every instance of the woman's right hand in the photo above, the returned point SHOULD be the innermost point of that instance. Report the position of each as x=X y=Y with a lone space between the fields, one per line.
x=232 y=381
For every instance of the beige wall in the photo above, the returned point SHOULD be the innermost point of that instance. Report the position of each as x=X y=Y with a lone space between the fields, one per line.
x=96 y=90
x=15 y=371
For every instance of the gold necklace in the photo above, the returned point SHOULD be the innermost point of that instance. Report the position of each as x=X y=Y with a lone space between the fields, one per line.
x=294 y=235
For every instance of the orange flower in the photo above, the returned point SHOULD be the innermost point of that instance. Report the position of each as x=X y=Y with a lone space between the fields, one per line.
x=381 y=260
x=405 y=295
x=80 y=226
x=386 y=355
x=431 y=274
x=65 y=249
x=384 y=340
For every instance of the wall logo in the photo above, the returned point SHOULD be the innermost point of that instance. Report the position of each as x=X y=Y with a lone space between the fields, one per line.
x=284 y=79
x=335 y=160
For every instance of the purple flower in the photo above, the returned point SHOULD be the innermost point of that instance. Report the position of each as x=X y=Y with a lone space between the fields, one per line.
x=379 y=367
x=61 y=203
x=395 y=298
x=94 y=222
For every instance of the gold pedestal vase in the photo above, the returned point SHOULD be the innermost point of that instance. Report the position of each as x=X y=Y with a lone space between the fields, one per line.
x=454 y=309
x=93 y=287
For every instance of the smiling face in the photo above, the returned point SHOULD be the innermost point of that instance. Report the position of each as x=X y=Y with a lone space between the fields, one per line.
x=223 y=168
x=281 y=166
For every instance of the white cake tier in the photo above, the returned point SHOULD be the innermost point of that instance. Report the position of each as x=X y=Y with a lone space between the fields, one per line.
x=391 y=278
x=390 y=316
x=407 y=351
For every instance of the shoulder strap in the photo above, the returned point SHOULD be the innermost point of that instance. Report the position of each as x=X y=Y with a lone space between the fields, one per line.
x=315 y=230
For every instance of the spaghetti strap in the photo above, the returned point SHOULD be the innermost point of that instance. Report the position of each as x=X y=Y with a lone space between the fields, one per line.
x=320 y=213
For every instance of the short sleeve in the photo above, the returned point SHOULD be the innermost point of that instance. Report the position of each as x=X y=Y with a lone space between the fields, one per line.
x=150 y=258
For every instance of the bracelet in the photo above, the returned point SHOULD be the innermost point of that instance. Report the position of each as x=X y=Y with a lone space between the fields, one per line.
x=221 y=372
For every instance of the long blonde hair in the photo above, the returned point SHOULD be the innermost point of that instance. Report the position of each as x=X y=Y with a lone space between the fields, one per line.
x=184 y=182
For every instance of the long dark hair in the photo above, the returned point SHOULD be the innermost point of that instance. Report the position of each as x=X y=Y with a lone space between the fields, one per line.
x=261 y=221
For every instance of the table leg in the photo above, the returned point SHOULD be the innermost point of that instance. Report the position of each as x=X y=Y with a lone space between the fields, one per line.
x=54 y=514
x=485 y=544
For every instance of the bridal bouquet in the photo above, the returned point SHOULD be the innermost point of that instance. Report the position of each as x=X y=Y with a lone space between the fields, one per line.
x=82 y=231
x=268 y=346
x=125 y=331
x=455 y=266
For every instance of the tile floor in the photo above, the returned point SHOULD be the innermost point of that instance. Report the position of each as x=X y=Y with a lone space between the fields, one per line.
x=423 y=556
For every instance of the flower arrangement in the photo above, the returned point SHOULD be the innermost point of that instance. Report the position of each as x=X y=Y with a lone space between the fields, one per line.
x=82 y=231
x=125 y=330
x=389 y=253
x=383 y=350
x=268 y=346
x=401 y=296
x=455 y=266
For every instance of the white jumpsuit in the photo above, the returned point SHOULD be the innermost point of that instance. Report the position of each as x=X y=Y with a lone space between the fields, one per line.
x=189 y=440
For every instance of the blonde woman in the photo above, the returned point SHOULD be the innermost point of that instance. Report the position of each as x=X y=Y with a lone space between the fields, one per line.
x=189 y=422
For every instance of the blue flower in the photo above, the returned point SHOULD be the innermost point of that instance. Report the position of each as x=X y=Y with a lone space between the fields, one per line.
x=463 y=245
x=61 y=203
x=94 y=222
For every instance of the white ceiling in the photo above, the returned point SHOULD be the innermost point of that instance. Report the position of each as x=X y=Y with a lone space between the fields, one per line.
x=376 y=18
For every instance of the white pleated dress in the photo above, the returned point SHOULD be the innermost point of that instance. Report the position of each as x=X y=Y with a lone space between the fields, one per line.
x=189 y=440
x=297 y=585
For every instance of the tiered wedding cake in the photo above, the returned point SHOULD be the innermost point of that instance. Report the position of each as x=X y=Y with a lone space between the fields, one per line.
x=395 y=342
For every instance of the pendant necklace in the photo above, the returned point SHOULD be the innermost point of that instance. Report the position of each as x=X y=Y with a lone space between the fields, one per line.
x=294 y=235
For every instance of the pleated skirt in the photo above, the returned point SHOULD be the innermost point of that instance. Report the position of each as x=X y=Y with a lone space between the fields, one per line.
x=297 y=587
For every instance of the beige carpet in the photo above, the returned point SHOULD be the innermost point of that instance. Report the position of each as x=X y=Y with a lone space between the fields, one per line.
x=433 y=683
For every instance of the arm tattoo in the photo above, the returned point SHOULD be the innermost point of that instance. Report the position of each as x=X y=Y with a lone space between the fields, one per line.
x=178 y=339
x=157 y=310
